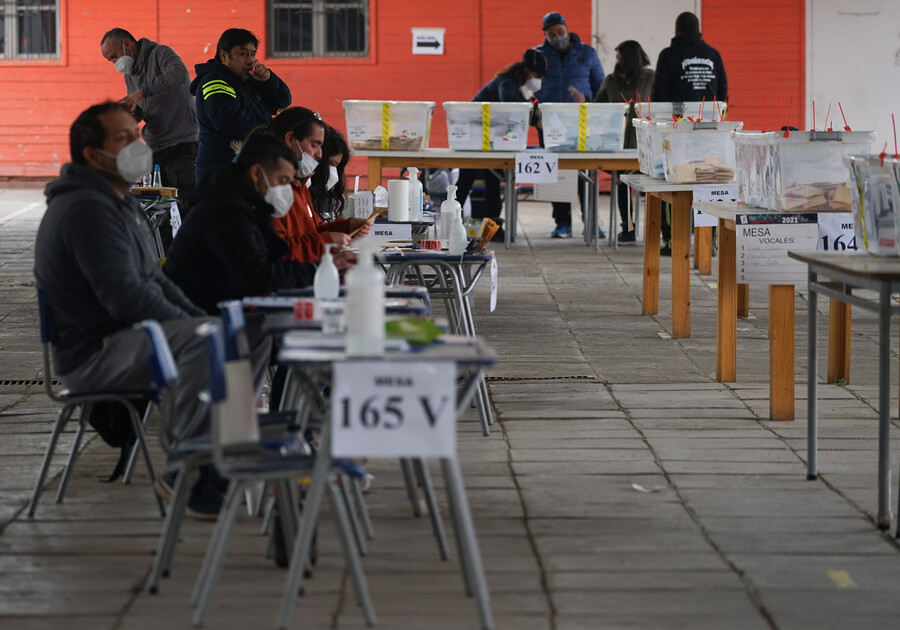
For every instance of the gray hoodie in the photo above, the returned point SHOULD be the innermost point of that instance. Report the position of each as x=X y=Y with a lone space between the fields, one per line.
x=168 y=108
x=94 y=258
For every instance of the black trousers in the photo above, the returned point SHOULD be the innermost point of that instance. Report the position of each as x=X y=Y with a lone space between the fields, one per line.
x=493 y=203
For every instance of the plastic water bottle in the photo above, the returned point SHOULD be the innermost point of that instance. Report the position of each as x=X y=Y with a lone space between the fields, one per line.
x=157 y=177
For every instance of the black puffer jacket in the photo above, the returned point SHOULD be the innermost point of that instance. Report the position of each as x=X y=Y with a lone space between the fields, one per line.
x=227 y=248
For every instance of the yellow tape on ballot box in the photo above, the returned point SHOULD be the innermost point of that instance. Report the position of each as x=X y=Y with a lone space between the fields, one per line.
x=485 y=126
x=582 y=127
x=385 y=126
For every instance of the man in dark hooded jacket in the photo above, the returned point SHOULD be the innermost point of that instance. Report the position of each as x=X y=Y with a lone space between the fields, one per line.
x=234 y=93
x=689 y=69
x=227 y=247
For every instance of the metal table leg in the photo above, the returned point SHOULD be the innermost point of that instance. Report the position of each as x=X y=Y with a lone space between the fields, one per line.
x=812 y=377
x=884 y=407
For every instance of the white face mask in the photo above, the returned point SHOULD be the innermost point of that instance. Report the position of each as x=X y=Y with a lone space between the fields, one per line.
x=133 y=162
x=281 y=198
x=332 y=177
x=125 y=63
x=533 y=84
x=308 y=163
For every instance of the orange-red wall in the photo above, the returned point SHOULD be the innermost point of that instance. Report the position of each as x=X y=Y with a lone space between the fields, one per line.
x=762 y=46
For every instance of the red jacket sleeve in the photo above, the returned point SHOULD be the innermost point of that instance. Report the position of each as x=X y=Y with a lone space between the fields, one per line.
x=300 y=228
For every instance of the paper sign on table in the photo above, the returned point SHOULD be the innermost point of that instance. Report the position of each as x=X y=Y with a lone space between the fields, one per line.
x=494 y=283
x=537 y=168
x=836 y=232
x=763 y=241
x=712 y=192
x=174 y=218
x=383 y=232
x=392 y=409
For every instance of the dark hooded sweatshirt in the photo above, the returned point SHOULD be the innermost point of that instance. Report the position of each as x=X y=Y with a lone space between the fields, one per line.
x=689 y=70
x=227 y=248
x=229 y=108
x=95 y=259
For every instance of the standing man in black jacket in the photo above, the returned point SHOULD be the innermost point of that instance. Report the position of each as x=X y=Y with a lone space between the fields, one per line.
x=234 y=93
x=227 y=247
x=688 y=70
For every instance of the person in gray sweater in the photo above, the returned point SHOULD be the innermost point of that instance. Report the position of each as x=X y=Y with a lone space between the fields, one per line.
x=95 y=260
x=631 y=81
x=158 y=94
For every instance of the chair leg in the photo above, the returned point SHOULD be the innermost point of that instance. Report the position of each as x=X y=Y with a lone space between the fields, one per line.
x=145 y=450
x=171 y=528
x=354 y=565
x=434 y=512
x=61 y=419
x=226 y=518
x=132 y=457
x=351 y=513
x=363 y=509
x=73 y=455
x=211 y=548
x=267 y=515
x=409 y=482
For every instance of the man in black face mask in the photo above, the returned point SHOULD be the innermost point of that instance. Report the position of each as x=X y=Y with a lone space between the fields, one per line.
x=574 y=75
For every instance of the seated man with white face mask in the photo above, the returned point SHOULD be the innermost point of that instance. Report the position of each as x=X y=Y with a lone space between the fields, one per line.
x=305 y=232
x=227 y=247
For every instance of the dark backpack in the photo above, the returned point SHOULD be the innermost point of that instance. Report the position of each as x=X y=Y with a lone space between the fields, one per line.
x=113 y=423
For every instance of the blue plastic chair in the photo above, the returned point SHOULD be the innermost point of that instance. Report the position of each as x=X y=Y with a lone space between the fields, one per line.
x=85 y=400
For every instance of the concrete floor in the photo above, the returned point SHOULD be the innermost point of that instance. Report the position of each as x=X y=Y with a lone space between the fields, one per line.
x=622 y=486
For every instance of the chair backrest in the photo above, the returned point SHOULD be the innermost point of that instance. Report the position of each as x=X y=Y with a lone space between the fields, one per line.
x=235 y=333
x=162 y=363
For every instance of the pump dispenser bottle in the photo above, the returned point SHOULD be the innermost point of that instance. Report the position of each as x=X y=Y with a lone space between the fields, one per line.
x=459 y=238
x=327 y=282
x=365 y=306
x=448 y=210
x=415 y=195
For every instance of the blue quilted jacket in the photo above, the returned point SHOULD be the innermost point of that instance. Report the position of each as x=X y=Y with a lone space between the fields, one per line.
x=581 y=68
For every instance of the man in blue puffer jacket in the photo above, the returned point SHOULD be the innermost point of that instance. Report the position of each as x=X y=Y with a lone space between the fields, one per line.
x=574 y=75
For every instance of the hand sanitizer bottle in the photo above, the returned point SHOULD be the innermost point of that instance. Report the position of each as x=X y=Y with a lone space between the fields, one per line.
x=415 y=195
x=448 y=210
x=327 y=282
x=459 y=238
x=365 y=306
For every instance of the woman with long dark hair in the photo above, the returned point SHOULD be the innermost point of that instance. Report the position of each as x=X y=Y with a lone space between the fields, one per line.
x=631 y=80
x=327 y=183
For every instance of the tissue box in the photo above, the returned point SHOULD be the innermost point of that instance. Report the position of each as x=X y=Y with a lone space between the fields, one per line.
x=487 y=126
x=388 y=125
x=591 y=127
x=699 y=152
x=810 y=173
x=874 y=197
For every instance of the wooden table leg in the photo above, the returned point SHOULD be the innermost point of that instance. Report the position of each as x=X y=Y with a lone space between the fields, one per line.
x=838 y=341
x=726 y=313
x=781 y=352
x=743 y=300
x=703 y=250
x=681 y=264
x=374 y=172
x=652 y=224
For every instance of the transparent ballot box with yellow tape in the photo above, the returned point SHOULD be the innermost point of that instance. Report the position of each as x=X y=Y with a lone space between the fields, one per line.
x=388 y=125
x=584 y=127
x=873 y=197
x=487 y=126
x=810 y=174
x=649 y=142
x=755 y=166
x=698 y=152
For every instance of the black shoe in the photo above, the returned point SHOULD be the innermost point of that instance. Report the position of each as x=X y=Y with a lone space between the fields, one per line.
x=209 y=473
x=665 y=251
x=626 y=237
x=205 y=501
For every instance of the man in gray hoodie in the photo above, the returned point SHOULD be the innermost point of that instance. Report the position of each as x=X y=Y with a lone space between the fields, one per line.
x=94 y=259
x=157 y=82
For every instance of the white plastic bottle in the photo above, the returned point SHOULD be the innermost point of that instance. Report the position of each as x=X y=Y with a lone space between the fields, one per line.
x=327 y=282
x=415 y=195
x=448 y=210
x=459 y=238
x=157 y=177
x=365 y=306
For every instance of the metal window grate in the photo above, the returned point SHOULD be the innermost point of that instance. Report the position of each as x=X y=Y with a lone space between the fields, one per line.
x=318 y=28
x=29 y=29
